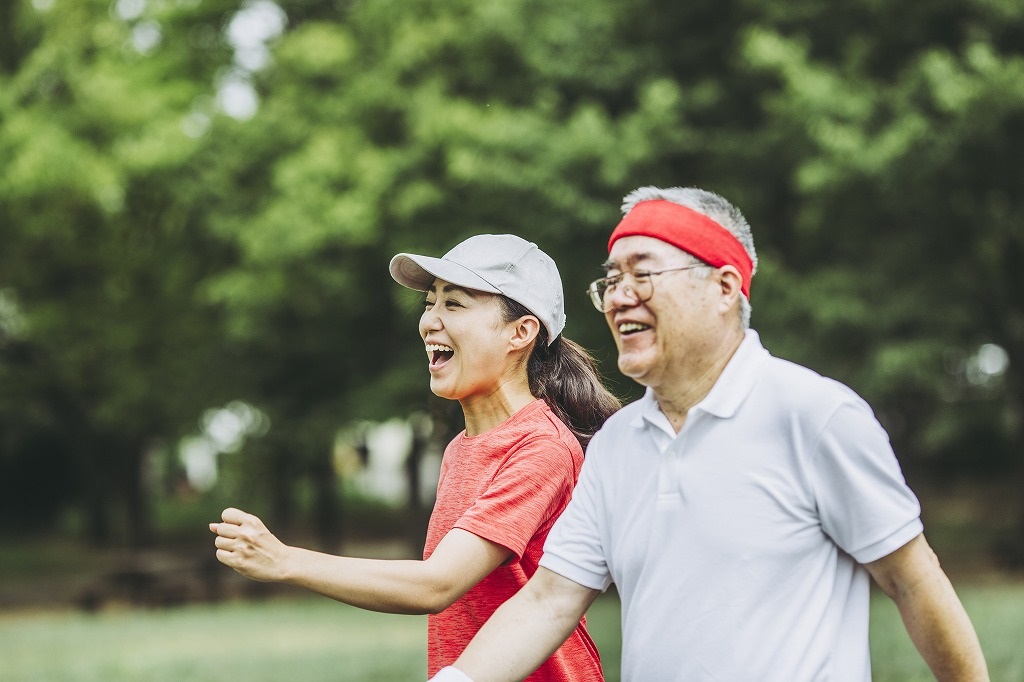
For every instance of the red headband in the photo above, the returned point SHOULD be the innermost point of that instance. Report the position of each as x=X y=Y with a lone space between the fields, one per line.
x=688 y=230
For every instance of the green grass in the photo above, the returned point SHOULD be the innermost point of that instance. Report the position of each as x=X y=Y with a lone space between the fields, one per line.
x=301 y=639
x=313 y=639
x=997 y=611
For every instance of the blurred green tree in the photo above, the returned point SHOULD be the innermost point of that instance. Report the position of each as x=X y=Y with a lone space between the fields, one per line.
x=216 y=212
x=104 y=245
x=410 y=127
x=904 y=245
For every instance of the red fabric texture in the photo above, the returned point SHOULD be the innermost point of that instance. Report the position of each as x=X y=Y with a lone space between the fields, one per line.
x=507 y=486
x=688 y=230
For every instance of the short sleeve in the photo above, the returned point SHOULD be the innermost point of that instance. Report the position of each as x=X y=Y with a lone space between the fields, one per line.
x=525 y=494
x=574 y=549
x=863 y=501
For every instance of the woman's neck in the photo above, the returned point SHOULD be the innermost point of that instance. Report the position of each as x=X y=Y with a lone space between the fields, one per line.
x=485 y=412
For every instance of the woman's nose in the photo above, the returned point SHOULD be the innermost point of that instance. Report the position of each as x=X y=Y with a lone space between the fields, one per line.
x=429 y=321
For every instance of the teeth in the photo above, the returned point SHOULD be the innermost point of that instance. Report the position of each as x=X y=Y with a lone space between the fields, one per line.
x=438 y=348
x=627 y=327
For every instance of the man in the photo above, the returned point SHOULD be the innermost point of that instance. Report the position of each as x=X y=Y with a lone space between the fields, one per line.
x=740 y=507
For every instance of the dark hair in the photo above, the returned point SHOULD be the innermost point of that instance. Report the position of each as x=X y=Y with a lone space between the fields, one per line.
x=565 y=376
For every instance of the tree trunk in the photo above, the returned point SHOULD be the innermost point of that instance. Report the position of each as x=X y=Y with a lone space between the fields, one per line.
x=139 y=521
x=327 y=510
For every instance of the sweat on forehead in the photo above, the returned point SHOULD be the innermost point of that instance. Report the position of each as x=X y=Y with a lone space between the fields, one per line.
x=688 y=230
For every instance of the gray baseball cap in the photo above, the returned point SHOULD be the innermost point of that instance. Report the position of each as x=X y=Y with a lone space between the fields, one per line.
x=498 y=264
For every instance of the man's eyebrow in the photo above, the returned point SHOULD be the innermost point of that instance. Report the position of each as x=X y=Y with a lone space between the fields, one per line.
x=632 y=260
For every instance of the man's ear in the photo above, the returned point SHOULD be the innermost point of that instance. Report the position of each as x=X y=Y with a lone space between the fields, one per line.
x=730 y=284
x=524 y=331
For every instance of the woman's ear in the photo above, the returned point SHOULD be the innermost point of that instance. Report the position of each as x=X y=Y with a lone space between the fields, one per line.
x=524 y=331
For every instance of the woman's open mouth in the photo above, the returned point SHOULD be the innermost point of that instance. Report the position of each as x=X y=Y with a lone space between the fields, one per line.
x=439 y=354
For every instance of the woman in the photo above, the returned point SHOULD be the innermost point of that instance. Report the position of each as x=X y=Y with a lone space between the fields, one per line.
x=491 y=325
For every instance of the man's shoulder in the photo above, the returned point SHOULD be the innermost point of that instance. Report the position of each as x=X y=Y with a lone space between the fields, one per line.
x=795 y=385
x=621 y=424
x=626 y=414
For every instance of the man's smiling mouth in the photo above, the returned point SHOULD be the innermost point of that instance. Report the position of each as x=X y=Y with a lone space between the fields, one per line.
x=627 y=328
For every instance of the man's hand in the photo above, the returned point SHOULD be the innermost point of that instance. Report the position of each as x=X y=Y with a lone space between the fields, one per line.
x=244 y=543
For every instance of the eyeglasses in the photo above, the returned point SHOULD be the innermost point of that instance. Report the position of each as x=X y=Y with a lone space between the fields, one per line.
x=642 y=288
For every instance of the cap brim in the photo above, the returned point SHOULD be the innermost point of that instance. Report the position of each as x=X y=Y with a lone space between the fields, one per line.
x=419 y=272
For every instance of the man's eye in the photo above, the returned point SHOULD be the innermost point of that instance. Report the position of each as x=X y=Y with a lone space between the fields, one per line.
x=428 y=303
x=642 y=274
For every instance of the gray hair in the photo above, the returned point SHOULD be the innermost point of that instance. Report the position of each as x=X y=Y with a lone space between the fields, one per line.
x=713 y=206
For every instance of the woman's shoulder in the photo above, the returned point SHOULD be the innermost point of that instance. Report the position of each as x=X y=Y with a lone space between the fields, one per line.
x=538 y=429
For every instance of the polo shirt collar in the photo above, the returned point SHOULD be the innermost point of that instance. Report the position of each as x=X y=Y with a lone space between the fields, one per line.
x=737 y=379
x=728 y=393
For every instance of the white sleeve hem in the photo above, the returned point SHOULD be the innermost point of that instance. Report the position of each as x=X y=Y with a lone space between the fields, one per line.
x=581 y=576
x=890 y=544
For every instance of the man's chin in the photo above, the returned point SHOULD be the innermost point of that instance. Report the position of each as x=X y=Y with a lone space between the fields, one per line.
x=633 y=369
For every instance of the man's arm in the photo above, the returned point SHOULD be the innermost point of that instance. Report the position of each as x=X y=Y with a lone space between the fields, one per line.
x=932 y=613
x=526 y=629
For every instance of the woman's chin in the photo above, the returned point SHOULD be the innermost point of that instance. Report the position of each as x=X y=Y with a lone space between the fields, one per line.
x=441 y=390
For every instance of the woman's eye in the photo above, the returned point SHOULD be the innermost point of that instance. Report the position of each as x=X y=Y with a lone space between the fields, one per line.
x=448 y=303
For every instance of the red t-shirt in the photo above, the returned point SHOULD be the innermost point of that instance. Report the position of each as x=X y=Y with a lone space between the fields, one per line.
x=507 y=485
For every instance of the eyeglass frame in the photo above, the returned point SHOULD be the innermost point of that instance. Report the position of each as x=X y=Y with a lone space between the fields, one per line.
x=598 y=300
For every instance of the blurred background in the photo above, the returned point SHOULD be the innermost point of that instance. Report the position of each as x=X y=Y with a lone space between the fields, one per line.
x=199 y=200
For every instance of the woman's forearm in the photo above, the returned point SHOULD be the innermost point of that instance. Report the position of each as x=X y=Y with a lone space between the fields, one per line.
x=390 y=586
x=459 y=562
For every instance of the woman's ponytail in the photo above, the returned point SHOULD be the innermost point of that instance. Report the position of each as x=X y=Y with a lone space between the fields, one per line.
x=565 y=375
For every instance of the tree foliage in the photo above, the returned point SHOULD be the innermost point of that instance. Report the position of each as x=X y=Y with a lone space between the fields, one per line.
x=160 y=256
x=104 y=245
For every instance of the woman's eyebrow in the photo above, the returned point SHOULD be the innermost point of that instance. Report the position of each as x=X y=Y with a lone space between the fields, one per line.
x=448 y=288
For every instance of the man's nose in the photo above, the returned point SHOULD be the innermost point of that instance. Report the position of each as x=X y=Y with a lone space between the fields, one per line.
x=622 y=296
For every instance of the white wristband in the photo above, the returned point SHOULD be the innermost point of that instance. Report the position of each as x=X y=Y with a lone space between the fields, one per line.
x=450 y=674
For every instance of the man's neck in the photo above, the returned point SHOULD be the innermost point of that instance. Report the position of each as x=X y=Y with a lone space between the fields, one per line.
x=695 y=381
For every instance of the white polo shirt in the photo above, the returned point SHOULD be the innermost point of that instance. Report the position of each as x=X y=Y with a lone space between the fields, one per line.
x=736 y=545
